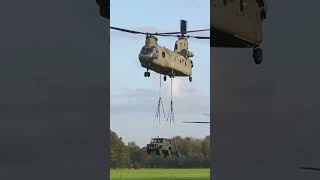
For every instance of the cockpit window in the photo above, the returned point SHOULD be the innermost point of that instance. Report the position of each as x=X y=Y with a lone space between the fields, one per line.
x=147 y=50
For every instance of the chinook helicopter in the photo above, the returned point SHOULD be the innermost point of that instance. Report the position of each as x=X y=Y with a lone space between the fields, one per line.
x=198 y=122
x=238 y=24
x=163 y=60
x=234 y=23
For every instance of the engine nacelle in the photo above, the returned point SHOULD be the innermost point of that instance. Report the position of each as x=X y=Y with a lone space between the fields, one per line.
x=190 y=54
x=186 y=53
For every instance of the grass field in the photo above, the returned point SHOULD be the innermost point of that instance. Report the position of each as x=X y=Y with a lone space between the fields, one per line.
x=160 y=174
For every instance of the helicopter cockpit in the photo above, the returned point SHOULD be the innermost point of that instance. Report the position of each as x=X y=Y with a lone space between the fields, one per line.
x=152 y=51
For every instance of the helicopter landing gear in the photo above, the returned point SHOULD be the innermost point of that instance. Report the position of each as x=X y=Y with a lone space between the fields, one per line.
x=171 y=75
x=147 y=74
x=190 y=78
x=257 y=55
x=165 y=77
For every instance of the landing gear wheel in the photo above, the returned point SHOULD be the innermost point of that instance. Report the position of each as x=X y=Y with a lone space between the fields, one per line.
x=257 y=55
x=146 y=74
x=164 y=78
x=190 y=78
x=172 y=74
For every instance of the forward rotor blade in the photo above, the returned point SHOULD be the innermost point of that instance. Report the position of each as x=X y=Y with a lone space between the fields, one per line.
x=128 y=31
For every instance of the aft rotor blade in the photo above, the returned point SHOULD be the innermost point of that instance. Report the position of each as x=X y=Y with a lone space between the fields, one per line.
x=200 y=122
x=128 y=31
x=199 y=37
x=199 y=30
x=167 y=35
x=310 y=168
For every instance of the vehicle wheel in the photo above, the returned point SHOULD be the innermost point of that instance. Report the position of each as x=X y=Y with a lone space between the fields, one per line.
x=165 y=78
x=148 y=74
x=190 y=78
x=160 y=151
x=257 y=55
x=165 y=154
x=145 y=74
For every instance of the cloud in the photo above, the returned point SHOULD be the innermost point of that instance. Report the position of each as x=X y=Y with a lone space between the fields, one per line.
x=186 y=99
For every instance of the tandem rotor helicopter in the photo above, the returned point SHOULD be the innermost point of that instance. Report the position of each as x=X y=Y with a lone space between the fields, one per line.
x=234 y=24
x=163 y=60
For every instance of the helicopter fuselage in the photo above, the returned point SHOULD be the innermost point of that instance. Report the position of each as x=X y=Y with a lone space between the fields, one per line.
x=163 y=60
x=237 y=23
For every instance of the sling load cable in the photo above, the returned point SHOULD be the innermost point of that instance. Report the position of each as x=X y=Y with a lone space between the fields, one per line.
x=171 y=113
x=158 y=112
x=171 y=120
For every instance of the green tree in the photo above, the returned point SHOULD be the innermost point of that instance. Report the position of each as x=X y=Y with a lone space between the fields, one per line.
x=119 y=152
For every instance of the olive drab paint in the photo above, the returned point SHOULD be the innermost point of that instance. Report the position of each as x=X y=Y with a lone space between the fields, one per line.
x=165 y=61
x=237 y=23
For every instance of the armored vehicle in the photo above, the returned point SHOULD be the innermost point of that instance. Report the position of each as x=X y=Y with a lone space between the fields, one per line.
x=162 y=146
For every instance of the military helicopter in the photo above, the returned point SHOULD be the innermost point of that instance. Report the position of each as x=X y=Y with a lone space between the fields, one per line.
x=238 y=24
x=163 y=60
x=199 y=122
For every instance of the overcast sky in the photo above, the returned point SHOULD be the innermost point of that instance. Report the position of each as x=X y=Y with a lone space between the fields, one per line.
x=133 y=97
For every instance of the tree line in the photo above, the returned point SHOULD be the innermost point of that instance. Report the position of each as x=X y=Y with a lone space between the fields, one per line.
x=194 y=153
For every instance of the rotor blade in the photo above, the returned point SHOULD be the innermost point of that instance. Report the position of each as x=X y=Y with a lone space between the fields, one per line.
x=128 y=31
x=204 y=122
x=198 y=37
x=200 y=30
x=161 y=34
x=206 y=114
x=168 y=35
x=310 y=168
